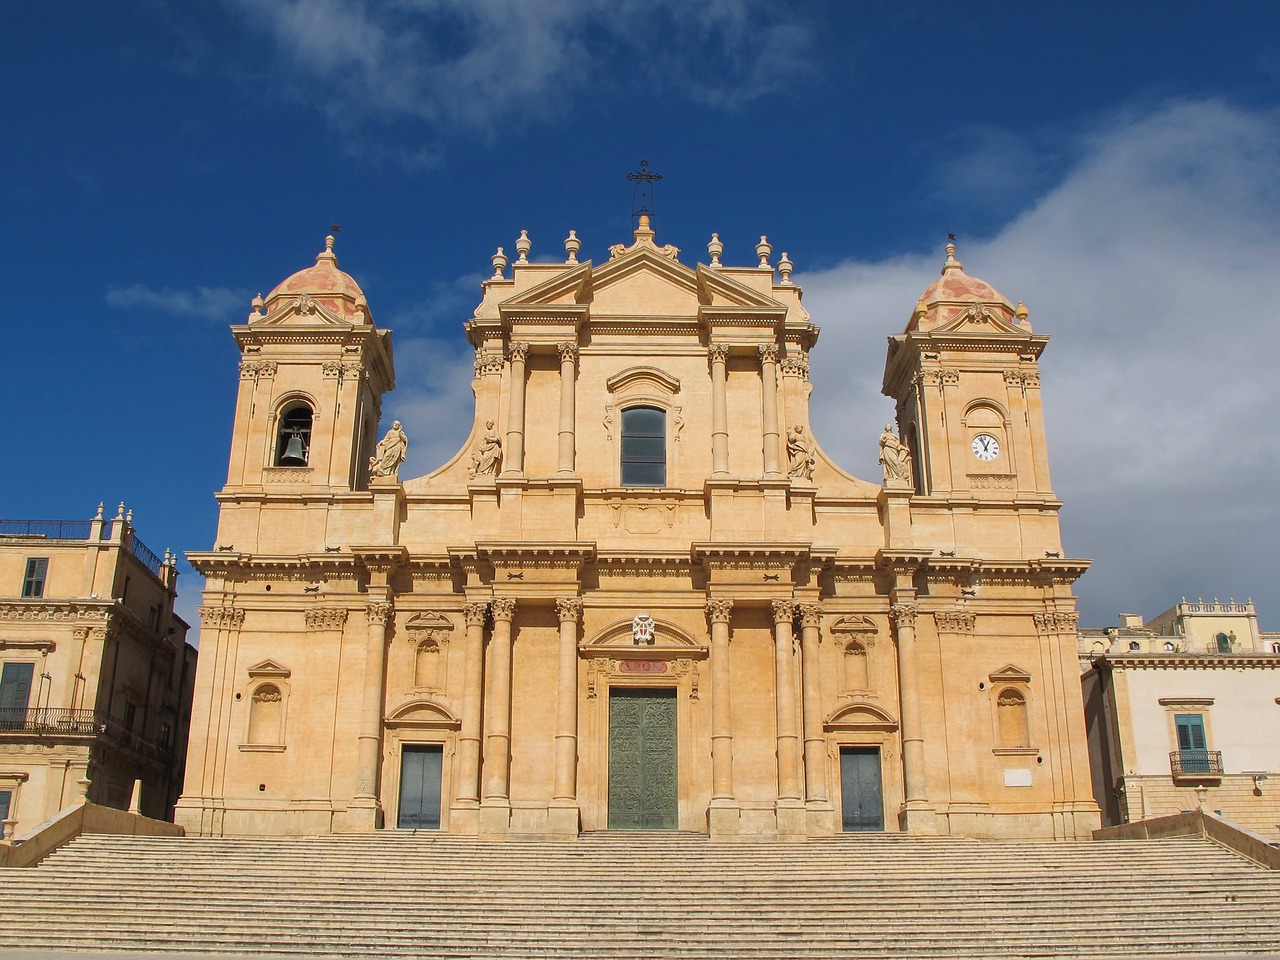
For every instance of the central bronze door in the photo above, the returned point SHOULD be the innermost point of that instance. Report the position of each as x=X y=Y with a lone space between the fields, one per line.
x=642 y=759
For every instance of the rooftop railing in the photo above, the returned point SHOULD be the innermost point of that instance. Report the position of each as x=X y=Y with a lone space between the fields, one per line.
x=147 y=557
x=46 y=529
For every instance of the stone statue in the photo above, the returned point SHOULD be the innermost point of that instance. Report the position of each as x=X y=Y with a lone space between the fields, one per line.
x=801 y=453
x=895 y=458
x=389 y=454
x=487 y=459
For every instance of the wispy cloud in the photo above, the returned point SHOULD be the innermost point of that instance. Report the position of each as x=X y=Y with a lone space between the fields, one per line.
x=204 y=303
x=1152 y=265
x=476 y=64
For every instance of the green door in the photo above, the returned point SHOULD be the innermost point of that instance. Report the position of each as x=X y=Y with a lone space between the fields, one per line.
x=420 y=767
x=862 y=800
x=642 y=759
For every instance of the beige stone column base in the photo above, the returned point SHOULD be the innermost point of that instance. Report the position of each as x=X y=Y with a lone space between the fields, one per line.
x=563 y=819
x=921 y=821
x=793 y=820
x=364 y=815
x=464 y=819
x=495 y=822
x=724 y=820
x=821 y=818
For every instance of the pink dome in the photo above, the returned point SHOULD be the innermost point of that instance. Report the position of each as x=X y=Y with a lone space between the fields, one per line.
x=944 y=298
x=324 y=280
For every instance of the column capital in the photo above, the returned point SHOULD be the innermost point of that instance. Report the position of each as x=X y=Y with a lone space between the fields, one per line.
x=488 y=364
x=718 y=353
x=475 y=611
x=569 y=609
x=810 y=614
x=784 y=611
x=378 y=612
x=903 y=614
x=517 y=351
x=568 y=351
x=718 y=610
x=768 y=352
x=504 y=608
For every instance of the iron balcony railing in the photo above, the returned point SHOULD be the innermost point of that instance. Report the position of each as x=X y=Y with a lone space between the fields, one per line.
x=144 y=555
x=57 y=721
x=47 y=529
x=1196 y=763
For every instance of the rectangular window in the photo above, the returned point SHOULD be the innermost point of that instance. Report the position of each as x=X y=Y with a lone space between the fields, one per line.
x=1190 y=731
x=33 y=582
x=644 y=447
x=6 y=803
x=15 y=693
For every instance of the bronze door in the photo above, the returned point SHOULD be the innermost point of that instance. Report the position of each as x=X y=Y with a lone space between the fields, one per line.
x=642 y=759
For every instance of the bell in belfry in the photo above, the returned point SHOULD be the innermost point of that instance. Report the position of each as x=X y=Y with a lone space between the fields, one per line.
x=295 y=454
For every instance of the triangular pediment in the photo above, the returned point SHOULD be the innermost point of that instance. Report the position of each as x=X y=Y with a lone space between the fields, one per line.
x=1010 y=673
x=268 y=668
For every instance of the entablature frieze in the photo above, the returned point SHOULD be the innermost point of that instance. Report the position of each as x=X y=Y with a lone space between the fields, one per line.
x=1185 y=661
x=68 y=611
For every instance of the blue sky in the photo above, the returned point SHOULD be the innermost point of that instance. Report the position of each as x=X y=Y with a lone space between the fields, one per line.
x=1115 y=166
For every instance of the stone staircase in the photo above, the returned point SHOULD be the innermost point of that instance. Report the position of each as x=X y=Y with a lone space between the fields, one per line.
x=639 y=897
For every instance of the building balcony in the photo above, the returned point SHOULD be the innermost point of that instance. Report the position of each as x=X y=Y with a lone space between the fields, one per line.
x=1196 y=764
x=60 y=723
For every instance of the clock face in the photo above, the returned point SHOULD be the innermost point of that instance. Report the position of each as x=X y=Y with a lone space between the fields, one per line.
x=985 y=447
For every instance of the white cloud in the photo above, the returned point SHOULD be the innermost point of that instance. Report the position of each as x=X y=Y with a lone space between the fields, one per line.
x=478 y=63
x=433 y=400
x=1152 y=265
x=205 y=303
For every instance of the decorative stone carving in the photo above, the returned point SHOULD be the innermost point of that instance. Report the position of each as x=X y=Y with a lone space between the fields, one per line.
x=504 y=608
x=389 y=453
x=768 y=352
x=378 y=612
x=487 y=460
x=518 y=351
x=474 y=612
x=253 y=369
x=331 y=368
x=569 y=609
x=949 y=376
x=326 y=618
x=643 y=630
x=718 y=352
x=567 y=351
x=267 y=694
x=352 y=369
x=795 y=367
x=895 y=458
x=305 y=305
x=229 y=618
x=1056 y=622
x=802 y=455
x=954 y=621
x=992 y=481
x=489 y=364
x=979 y=313
x=784 y=611
x=810 y=614
x=903 y=614
x=428 y=625
x=718 y=610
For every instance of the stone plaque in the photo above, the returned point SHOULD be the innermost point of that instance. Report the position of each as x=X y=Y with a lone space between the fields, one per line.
x=642 y=666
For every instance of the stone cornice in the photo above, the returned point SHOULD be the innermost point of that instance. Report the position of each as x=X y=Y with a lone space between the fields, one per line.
x=57 y=610
x=754 y=554
x=1183 y=661
x=231 y=565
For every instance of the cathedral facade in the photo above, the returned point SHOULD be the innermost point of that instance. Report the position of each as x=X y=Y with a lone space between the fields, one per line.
x=640 y=596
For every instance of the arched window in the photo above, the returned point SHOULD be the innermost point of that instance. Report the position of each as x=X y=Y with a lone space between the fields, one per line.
x=1224 y=643
x=266 y=711
x=644 y=447
x=1134 y=646
x=293 y=441
x=1012 y=712
x=1168 y=647
x=1275 y=648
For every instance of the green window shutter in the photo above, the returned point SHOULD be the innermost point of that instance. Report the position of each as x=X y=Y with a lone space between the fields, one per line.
x=1190 y=731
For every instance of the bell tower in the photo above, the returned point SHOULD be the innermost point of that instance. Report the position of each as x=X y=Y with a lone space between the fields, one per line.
x=965 y=378
x=313 y=370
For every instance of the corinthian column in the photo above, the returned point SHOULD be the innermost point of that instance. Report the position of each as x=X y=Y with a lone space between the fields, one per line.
x=784 y=612
x=815 y=744
x=769 y=410
x=719 y=355
x=375 y=670
x=570 y=613
x=497 y=725
x=568 y=376
x=518 y=352
x=468 y=791
x=903 y=615
x=721 y=715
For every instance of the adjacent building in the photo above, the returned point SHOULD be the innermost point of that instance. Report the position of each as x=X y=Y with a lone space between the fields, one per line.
x=1184 y=712
x=640 y=596
x=96 y=674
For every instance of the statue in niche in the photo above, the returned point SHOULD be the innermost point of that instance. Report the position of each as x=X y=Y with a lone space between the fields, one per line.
x=389 y=454
x=642 y=629
x=895 y=458
x=802 y=454
x=487 y=459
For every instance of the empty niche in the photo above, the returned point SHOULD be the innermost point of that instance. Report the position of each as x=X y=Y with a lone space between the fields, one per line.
x=1011 y=712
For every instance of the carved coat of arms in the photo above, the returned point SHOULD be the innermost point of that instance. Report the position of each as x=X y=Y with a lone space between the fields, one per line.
x=642 y=629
